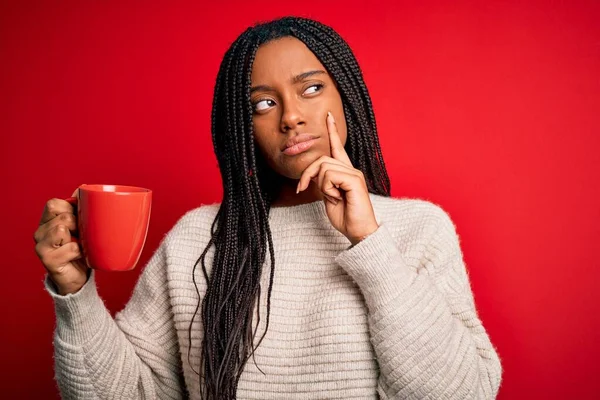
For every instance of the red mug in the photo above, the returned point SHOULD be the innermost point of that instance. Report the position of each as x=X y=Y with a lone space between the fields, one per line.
x=112 y=221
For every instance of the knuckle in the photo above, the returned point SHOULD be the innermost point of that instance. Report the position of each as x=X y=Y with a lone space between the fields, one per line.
x=60 y=228
x=67 y=218
x=51 y=205
x=39 y=250
x=37 y=235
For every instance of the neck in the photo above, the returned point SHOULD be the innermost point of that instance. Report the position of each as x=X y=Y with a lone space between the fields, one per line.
x=288 y=197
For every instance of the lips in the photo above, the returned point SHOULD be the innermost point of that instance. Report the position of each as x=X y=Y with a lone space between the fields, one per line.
x=299 y=148
x=303 y=137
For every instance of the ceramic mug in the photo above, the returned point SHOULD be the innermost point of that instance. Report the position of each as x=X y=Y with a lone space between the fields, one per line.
x=112 y=223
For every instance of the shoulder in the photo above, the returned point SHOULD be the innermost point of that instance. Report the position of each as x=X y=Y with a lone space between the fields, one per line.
x=415 y=220
x=194 y=224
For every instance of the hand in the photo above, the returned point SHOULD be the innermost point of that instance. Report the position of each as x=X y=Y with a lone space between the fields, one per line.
x=59 y=254
x=344 y=188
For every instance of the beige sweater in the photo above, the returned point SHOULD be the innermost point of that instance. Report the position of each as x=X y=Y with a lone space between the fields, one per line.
x=393 y=316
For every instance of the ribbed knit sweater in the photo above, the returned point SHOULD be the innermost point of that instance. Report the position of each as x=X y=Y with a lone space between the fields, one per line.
x=391 y=317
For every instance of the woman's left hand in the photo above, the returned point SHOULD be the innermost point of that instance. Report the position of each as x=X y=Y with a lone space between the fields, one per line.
x=346 y=195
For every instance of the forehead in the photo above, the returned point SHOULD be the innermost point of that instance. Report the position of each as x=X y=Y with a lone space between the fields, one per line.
x=282 y=59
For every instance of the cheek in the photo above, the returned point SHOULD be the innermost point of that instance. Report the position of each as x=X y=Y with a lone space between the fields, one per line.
x=262 y=138
x=337 y=107
x=342 y=129
x=267 y=150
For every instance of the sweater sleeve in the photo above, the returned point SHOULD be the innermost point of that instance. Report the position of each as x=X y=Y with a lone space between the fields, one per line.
x=428 y=338
x=135 y=355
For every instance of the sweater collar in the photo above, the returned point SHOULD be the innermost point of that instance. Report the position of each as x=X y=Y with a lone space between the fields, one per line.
x=307 y=212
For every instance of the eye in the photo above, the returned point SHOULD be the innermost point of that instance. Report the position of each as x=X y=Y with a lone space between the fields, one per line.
x=313 y=88
x=263 y=105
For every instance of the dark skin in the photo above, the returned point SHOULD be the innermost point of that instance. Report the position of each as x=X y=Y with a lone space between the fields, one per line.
x=292 y=96
x=285 y=107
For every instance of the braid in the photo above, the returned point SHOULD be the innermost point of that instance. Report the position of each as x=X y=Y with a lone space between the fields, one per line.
x=336 y=55
x=240 y=232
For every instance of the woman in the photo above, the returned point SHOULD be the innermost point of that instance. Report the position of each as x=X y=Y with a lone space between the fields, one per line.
x=361 y=295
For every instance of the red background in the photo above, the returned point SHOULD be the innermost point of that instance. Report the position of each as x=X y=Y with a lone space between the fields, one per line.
x=489 y=109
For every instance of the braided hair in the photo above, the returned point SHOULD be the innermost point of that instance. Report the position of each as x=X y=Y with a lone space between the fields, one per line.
x=240 y=231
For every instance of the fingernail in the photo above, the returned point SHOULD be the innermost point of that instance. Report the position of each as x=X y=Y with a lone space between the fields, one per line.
x=329 y=115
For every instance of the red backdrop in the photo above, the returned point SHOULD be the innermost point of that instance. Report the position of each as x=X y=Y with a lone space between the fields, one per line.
x=489 y=109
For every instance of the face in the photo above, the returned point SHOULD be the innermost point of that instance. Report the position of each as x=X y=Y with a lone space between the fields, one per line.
x=291 y=93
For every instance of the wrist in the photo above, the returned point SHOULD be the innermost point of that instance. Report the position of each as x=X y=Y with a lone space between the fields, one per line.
x=66 y=291
x=71 y=288
x=355 y=239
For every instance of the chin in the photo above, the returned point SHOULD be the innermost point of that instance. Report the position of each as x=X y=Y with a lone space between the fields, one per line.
x=295 y=166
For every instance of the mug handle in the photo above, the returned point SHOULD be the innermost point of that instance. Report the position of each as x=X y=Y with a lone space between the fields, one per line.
x=74 y=202
x=73 y=199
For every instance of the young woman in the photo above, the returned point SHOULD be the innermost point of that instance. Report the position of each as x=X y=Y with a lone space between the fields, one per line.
x=307 y=281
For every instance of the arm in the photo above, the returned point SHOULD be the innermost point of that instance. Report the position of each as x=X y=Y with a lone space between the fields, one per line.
x=424 y=326
x=135 y=355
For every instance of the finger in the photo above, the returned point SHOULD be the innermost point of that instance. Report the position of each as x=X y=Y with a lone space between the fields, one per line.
x=331 y=200
x=337 y=148
x=67 y=219
x=313 y=170
x=58 y=236
x=55 y=207
x=333 y=167
x=57 y=248
x=333 y=179
x=54 y=259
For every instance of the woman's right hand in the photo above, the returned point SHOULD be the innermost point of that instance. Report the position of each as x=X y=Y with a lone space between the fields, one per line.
x=59 y=254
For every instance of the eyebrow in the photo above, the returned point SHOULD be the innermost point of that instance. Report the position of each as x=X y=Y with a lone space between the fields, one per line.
x=295 y=79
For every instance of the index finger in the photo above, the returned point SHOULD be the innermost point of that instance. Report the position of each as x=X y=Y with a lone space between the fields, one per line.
x=337 y=148
x=55 y=207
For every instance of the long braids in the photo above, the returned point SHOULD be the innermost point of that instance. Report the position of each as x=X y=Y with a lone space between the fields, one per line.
x=240 y=232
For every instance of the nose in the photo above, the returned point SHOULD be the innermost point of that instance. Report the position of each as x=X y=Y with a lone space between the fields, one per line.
x=292 y=116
